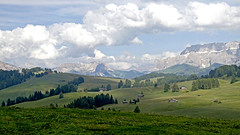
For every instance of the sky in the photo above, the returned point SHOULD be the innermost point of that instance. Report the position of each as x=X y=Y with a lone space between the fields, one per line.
x=122 y=34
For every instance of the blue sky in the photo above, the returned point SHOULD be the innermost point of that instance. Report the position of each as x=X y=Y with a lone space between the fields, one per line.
x=121 y=34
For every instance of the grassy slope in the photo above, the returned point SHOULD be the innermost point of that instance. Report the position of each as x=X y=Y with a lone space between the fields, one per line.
x=51 y=81
x=77 y=121
x=190 y=104
x=156 y=101
x=68 y=97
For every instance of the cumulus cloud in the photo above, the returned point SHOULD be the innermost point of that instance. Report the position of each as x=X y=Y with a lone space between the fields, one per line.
x=113 y=25
x=214 y=15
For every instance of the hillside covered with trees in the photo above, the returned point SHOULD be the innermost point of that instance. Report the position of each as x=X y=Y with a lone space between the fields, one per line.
x=14 y=77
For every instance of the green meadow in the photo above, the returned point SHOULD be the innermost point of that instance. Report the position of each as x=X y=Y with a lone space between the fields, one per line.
x=50 y=81
x=198 y=103
x=77 y=121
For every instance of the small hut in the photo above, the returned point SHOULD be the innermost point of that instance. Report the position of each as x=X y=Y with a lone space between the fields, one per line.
x=172 y=100
x=124 y=102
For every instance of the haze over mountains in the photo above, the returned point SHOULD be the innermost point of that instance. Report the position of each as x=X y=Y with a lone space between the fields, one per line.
x=197 y=59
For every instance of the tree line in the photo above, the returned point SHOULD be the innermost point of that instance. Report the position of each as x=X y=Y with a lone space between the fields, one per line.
x=174 y=87
x=205 y=84
x=92 y=102
x=228 y=70
x=72 y=86
x=164 y=78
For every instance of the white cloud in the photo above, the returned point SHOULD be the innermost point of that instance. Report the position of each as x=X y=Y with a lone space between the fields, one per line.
x=214 y=15
x=31 y=41
x=113 y=25
x=136 y=40
x=120 y=65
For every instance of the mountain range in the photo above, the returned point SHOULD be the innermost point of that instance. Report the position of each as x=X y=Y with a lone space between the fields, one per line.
x=204 y=56
x=97 y=69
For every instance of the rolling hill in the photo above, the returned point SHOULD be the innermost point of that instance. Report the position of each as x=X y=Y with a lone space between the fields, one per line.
x=47 y=82
x=190 y=103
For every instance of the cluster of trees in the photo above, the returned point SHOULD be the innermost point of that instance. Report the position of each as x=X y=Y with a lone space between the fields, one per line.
x=205 y=84
x=228 y=70
x=108 y=87
x=14 y=77
x=127 y=84
x=10 y=78
x=167 y=87
x=92 y=102
x=144 y=81
x=162 y=80
x=70 y=87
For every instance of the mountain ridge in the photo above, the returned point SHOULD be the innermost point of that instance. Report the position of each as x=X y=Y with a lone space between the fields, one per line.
x=8 y=67
x=204 y=56
x=97 y=69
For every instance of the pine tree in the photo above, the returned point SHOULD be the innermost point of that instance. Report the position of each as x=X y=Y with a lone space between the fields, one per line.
x=61 y=95
x=109 y=87
x=116 y=101
x=238 y=73
x=217 y=83
x=194 y=86
x=233 y=79
x=137 y=110
x=166 y=87
x=3 y=104
x=175 y=88
x=8 y=102
x=120 y=84
x=128 y=84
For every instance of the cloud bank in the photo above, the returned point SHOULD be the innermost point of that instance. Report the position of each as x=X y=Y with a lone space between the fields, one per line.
x=112 y=25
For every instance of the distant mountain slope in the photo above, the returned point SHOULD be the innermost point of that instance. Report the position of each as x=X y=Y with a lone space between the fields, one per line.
x=127 y=74
x=204 y=56
x=185 y=69
x=6 y=66
x=97 y=69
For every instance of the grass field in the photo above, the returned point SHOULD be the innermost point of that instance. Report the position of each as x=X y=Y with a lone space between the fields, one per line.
x=194 y=104
x=68 y=97
x=77 y=121
x=47 y=82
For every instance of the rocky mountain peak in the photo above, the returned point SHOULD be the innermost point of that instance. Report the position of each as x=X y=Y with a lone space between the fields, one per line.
x=205 y=55
x=6 y=66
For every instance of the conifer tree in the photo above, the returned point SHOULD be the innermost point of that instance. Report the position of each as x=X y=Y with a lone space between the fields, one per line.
x=61 y=95
x=175 y=88
x=194 y=86
x=3 y=104
x=109 y=87
x=120 y=84
x=137 y=110
x=166 y=87
x=233 y=79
